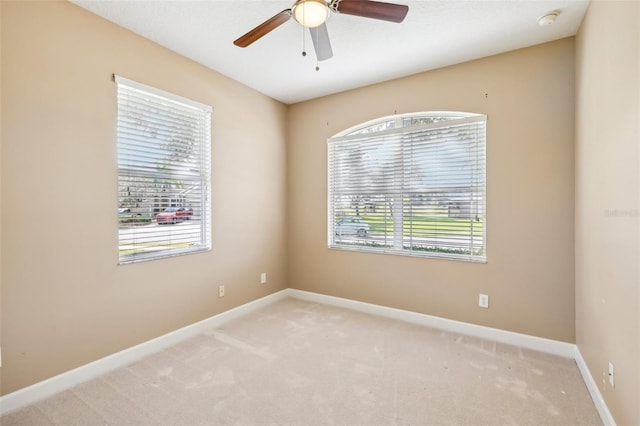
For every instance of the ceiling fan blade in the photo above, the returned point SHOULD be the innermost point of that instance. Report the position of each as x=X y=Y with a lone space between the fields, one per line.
x=373 y=9
x=264 y=28
x=321 y=43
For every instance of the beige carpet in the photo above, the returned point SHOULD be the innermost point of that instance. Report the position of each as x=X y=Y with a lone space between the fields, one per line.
x=301 y=363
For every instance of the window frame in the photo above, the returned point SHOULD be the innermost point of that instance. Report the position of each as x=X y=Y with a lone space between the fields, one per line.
x=150 y=163
x=400 y=127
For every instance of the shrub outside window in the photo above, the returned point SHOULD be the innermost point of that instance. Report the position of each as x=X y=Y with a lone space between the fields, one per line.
x=410 y=185
x=164 y=145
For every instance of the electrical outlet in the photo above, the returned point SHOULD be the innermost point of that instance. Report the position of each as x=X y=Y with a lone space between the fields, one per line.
x=483 y=301
x=263 y=278
x=611 y=376
x=221 y=291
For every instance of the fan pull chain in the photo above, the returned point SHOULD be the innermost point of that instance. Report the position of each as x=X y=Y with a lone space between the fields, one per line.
x=304 y=48
x=317 y=65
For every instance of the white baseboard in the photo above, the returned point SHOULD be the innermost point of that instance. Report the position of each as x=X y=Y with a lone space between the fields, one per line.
x=592 y=386
x=502 y=336
x=38 y=391
x=41 y=390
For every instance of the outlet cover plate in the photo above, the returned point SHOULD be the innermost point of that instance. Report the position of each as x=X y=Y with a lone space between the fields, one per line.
x=483 y=301
x=611 y=376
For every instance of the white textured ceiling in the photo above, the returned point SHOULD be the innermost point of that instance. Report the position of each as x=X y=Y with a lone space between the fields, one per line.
x=434 y=34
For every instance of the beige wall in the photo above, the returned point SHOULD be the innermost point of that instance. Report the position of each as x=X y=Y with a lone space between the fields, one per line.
x=607 y=222
x=528 y=96
x=65 y=301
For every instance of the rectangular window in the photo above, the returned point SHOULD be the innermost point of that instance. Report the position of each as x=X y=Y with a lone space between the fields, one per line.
x=410 y=188
x=164 y=150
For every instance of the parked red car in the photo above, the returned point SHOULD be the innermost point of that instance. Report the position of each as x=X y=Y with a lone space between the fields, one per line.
x=174 y=215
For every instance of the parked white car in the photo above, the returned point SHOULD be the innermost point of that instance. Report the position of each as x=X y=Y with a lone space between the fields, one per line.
x=352 y=226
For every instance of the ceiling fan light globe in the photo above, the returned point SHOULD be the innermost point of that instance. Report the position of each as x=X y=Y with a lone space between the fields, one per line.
x=310 y=13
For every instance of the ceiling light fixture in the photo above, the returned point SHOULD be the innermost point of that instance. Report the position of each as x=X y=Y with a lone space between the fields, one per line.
x=310 y=13
x=548 y=18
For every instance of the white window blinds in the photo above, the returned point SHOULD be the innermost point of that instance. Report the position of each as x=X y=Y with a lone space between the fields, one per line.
x=414 y=185
x=164 y=144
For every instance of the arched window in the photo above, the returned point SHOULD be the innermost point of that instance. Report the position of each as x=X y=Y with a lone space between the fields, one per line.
x=411 y=184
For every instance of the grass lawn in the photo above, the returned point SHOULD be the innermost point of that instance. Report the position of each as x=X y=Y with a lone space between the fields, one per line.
x=426 y=226
x=142 y=247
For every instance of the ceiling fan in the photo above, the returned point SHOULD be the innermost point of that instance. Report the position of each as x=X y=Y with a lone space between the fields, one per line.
x=313 y=14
